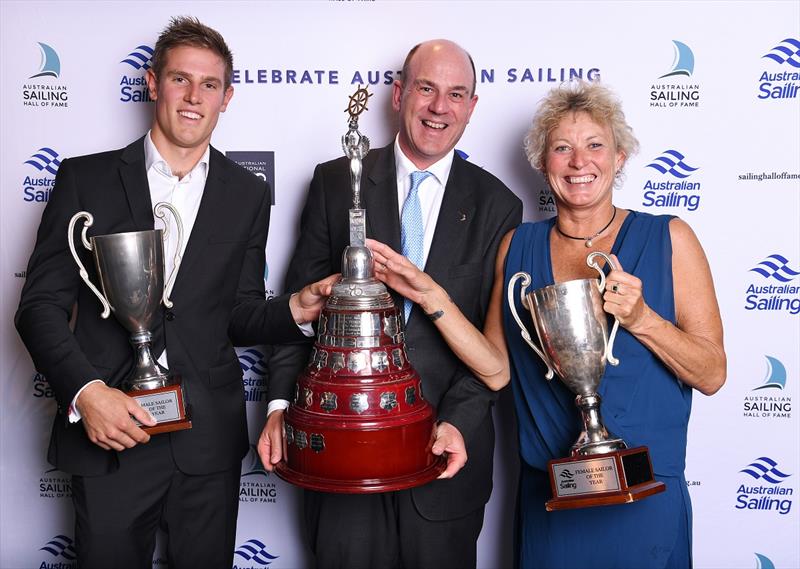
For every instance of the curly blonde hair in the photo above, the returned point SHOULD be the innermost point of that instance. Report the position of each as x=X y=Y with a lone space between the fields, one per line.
x=599 y=102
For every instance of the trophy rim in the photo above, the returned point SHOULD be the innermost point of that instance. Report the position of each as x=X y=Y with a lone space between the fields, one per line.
x=124 y=234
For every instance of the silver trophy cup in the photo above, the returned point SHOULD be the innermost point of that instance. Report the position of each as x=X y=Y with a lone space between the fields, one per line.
x=573 y=333
x=131 y=270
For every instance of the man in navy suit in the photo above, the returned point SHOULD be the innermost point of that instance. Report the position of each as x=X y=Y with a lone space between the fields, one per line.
x=125 y=484
x=465 y=212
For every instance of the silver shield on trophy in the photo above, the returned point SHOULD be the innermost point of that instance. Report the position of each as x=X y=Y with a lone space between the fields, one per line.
x=131 y=270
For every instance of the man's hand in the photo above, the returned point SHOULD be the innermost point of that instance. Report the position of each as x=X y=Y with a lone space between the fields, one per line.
x=449 y=440
x=306 y=304
x=106 y=416
x=271 y=443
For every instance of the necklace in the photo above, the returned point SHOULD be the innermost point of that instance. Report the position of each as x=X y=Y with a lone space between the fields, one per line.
x=588 y=240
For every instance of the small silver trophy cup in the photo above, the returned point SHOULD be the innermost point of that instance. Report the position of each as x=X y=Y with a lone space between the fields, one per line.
x=131 y=270
x=572 y=329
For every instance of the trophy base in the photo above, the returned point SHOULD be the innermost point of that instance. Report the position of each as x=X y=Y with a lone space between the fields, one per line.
x=362 y=486
x=618 y=477
x=168 y=407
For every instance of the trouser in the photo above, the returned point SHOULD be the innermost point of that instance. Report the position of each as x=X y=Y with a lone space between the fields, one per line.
x=117 y=515
x=385 y=531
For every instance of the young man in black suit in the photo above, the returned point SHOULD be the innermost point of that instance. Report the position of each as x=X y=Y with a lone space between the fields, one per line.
x=126 y=484
x=465 y=213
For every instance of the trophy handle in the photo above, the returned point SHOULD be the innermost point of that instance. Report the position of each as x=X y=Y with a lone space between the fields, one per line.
x=601 y=286
x=526 y=280
x=159 y=213
x=87 y=223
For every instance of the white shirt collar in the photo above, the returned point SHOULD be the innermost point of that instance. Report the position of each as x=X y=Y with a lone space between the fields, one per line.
x=404 y=166
x=153 y=159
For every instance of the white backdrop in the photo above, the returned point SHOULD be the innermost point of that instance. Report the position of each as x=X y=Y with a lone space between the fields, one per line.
x=710 y=88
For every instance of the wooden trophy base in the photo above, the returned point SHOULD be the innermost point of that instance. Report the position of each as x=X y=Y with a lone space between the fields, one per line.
x=168 y=407
x=617 y=477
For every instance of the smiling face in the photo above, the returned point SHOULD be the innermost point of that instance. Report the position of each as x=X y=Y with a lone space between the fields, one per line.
x=581 y=161
x=190 y=94
x=435 y=101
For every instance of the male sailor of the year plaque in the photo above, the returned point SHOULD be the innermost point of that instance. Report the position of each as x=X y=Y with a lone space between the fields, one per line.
x=131 y=270
x=572 y=329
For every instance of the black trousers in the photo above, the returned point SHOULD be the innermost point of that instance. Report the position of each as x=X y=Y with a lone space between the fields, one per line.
x=385 y=531
x=117 y=515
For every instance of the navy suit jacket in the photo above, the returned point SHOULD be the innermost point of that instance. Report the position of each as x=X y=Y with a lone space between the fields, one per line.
x=218 y=302
x=477 y=211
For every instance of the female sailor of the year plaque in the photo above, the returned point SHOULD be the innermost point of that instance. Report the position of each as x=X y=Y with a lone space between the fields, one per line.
x=572 y=330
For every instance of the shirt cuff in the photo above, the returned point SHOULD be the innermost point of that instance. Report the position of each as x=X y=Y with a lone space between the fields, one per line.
x=277 y=405
x=72 y=413
x=307 y=329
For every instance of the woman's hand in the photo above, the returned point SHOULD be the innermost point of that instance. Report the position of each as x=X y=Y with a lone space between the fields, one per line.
x=623 y=297
x=402 y=275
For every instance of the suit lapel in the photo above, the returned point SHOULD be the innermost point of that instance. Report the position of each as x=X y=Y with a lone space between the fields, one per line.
x=212 y=211
x=133 y=175
x=380 y=199
x=453 y=225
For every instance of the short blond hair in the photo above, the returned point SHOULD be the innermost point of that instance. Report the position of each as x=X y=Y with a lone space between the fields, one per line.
x=594 y=99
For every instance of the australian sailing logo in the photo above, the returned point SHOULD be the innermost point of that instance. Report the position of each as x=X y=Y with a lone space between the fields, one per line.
x=42 y=89
x=254 y=553
x=255 y=484
x=132 y=85
x=37 y=188
x=769 y=400
x=783 y=296
x=781 y=79
x=676 y=88
x=765 y=492
x=675 y=190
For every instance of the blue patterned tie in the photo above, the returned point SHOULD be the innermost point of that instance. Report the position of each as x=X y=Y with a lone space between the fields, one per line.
x=412 y=230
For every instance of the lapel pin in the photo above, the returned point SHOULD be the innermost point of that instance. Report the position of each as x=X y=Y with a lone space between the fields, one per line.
x=462 y=216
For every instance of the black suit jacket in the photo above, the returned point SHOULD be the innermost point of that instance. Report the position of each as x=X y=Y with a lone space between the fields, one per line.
x=218 y=301
x=477 y=210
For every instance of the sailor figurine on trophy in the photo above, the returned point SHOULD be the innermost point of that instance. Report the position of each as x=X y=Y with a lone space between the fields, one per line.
x=572 y=330
x=131 y=270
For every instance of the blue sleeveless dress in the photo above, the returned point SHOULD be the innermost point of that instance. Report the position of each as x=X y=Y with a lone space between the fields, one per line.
x=642 y=402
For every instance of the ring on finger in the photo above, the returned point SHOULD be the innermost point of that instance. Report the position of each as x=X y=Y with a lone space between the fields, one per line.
x=615 y=288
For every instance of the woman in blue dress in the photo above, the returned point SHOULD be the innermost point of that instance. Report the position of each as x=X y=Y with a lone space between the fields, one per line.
x=669 y=342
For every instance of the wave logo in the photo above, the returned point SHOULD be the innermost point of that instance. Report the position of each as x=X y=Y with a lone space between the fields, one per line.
x=255 y=551
x=254 y=374
x=672 y=162
x=776 y=375
x=763 y=562
x=60 y=546
x=252 y=360
x=683 y=63
x=45 y=160
x=764 y=468
x=787 y=52
x=776 y=267
x=140 y=58
x=50 y=65
x=669 y=193
x=770 y=497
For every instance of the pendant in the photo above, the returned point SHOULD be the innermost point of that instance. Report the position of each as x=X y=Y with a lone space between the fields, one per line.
x=588 y=243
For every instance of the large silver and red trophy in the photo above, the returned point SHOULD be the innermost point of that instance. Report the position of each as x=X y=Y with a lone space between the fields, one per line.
x=359 y=423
